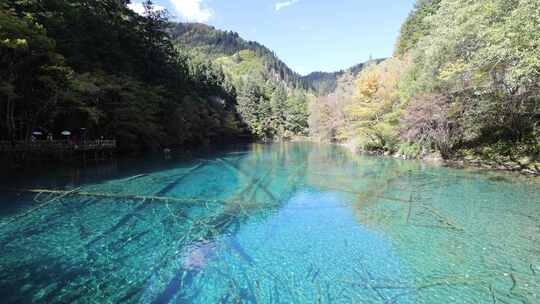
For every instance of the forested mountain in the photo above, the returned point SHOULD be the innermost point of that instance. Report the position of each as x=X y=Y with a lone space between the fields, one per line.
x=271 y=98
x=324 y=83
x=207 y=42
x=464 y=82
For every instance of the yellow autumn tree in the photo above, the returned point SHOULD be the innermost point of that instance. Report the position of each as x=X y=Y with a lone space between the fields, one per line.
x=374 y=113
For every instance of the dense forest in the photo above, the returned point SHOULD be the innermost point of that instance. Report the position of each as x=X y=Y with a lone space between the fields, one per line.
x=464 y=82
x=271 y=99
x=98 y=66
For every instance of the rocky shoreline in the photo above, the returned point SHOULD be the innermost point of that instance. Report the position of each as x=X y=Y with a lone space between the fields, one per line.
x=532 y=169
x=462 y=162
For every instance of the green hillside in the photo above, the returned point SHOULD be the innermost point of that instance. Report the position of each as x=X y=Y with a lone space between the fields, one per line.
x=326 y=82
x=271 y=99
x=208 y=43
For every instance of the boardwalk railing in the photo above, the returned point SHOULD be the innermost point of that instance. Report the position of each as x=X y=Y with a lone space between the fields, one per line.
x=56 y=145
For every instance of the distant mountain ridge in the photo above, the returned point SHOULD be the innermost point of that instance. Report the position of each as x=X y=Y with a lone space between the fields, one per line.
x=326 y=82
x=203 y=40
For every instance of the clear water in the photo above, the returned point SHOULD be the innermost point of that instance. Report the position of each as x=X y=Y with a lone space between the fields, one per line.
x=283 y=223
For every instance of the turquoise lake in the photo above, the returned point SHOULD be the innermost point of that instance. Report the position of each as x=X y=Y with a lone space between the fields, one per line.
x=280 y=223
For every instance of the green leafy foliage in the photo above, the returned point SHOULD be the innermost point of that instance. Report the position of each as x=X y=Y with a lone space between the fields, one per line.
x=416 y=26
x=33 y=74
x=272 y=101
x=483 y=55
x=270 y=113
x=464 y=79
x=100 y=67
x=209 y=43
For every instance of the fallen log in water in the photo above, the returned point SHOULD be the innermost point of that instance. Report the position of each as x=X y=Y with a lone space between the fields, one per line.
x=251 y=187
x=409 y=211
x=176 y=286
x=163 y=260
x=209 y=231
x=127 y=217
x=258 y=183
x=62 y=194
x=367 y=195
x=112 y=196
x=121 y=222
x=133 y=178
x=442 y=219
x=172 y=185
x=236 y=169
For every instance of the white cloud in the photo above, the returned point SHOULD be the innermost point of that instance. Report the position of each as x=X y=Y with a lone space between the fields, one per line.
x=284 y=4
x=193 y=10
x=139 y=8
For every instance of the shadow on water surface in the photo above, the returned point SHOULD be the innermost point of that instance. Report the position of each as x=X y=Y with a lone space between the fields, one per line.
x=281 y=223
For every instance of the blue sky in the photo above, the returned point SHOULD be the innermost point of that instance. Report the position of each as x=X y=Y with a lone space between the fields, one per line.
x=308 y=35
